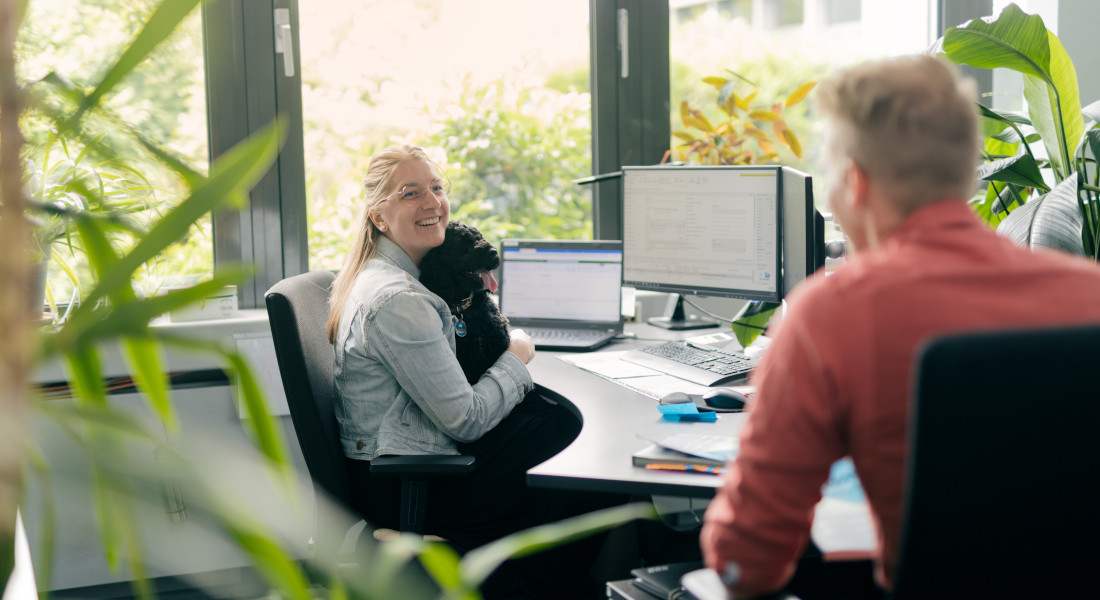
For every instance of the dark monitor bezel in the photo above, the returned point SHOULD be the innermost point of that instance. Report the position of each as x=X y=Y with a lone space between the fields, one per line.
x=743 y=294
x=803 y=229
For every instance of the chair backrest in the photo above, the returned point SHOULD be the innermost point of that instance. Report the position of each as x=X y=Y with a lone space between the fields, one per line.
x=297 y=308
x=1004 y=457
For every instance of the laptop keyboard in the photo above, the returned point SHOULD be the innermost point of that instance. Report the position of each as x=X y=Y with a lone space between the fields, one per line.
x=549 y=334
x=726 y=364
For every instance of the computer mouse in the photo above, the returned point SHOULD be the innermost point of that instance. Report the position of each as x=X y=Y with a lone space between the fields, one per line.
x=676 y=398
x=725 y=398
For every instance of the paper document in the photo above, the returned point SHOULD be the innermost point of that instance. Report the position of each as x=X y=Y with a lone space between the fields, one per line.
x=718 y=448
x=607 y=364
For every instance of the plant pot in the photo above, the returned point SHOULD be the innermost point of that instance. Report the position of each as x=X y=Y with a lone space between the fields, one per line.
x=37 y=289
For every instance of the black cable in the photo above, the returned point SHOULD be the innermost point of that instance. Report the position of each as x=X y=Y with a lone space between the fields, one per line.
x=716 y=317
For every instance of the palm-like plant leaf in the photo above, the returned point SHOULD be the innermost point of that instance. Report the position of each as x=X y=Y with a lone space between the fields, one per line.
x=1020 y=169
x=1050 y=221
x=1021 y=42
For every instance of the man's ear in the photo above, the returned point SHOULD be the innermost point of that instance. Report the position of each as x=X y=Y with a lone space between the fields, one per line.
x=859 y=186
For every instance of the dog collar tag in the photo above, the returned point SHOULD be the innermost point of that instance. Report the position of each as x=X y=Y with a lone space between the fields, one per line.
x=460 y=328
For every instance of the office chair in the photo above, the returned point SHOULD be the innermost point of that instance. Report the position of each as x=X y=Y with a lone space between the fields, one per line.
x=1004 y=455
x=297 y=309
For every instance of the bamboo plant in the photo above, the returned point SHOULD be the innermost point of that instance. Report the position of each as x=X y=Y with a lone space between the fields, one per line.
x=110 y=312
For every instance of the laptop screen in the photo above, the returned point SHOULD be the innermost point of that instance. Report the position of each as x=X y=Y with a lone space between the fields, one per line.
x=568 y=282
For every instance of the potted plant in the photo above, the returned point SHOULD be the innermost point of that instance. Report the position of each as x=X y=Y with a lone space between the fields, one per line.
x=1039 y=195
x=60 y=183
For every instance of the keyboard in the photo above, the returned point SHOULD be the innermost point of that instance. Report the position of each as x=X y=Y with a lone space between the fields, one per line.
x=697 y=364
x=551 y=338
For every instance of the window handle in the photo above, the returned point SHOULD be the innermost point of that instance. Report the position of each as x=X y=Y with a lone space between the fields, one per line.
x=284 y=40
x=624 y=43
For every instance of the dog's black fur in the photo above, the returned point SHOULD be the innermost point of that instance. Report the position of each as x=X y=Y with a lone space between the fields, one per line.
x=452 y=272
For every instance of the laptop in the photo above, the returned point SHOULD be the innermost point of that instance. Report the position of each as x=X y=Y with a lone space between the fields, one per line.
x=566 y=294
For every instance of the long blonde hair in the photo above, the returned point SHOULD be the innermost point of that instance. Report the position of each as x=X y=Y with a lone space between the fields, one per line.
x=377 y=185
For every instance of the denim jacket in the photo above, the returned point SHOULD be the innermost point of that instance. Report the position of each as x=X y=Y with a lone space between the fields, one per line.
x=400 y=389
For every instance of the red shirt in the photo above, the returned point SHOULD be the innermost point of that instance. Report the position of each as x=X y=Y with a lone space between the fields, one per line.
x=836 y=380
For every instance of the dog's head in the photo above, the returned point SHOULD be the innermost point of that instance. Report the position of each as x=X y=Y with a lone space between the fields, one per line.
x=460 y=266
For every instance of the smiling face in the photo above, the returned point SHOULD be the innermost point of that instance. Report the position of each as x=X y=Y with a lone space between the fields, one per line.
x=415 y=215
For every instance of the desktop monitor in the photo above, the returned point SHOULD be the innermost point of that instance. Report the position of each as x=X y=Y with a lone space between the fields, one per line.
x=747 y=232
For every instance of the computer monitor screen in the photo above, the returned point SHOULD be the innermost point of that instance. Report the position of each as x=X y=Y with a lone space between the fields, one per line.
x=709 y=230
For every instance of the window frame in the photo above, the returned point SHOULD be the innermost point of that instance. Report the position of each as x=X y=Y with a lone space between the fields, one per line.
x=246 y=90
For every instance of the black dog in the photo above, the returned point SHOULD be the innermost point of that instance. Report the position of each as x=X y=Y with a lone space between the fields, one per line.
x=460 y=271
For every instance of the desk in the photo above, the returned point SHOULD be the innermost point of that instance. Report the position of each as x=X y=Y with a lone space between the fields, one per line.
x=613 y=417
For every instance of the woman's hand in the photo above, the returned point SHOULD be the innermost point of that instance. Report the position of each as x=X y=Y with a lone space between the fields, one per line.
x=521 y=345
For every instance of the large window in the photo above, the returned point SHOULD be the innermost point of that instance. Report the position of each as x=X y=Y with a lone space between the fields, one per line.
x=496 y=90
x=773 y=52
x=163 y=99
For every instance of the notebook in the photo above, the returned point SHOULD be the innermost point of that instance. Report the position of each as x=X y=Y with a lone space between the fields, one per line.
x=567 y=294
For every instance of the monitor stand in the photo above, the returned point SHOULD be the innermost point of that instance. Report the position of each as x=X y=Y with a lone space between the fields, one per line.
x=677 y=319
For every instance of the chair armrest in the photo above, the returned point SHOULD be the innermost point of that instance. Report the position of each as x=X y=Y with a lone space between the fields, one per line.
x=423 y=464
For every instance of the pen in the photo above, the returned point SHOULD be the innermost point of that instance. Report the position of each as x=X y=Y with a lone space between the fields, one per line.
x=698 y=468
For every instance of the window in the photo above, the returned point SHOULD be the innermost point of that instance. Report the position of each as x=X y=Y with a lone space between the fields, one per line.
x=841 y=11
x=772 y=62
x=735 y=9
x=163 y=99
x=782 y=13
x=687 y=14
x=496 y=90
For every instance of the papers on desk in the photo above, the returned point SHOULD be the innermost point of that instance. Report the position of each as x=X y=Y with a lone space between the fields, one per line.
x=842 y=519
x=643 y=380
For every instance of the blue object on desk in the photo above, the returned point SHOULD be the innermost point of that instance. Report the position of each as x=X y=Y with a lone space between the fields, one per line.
x=686 y=411
x=843 y=483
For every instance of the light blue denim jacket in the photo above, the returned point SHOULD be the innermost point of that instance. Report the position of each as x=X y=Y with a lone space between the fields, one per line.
x=400 y=387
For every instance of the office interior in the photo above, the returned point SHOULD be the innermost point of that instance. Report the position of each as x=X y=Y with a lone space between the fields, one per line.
x=497 y=90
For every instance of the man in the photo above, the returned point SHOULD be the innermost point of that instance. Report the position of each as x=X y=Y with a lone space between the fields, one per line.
x=901 y=146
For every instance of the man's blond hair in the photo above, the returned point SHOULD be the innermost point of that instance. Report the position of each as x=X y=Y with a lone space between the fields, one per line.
x=911 y=122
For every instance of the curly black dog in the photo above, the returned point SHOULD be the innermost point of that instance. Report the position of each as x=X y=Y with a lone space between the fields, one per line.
x=460 y=272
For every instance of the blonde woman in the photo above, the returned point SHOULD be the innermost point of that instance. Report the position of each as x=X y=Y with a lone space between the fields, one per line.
x=401 y=390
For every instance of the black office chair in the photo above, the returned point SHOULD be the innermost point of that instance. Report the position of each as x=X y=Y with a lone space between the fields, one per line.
x=297 y=309
x=1004 y=458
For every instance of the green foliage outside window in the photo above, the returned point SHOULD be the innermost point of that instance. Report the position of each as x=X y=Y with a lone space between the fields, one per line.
x=750 y=132
x=161 y=101
x=512 y=154
x=510 y=151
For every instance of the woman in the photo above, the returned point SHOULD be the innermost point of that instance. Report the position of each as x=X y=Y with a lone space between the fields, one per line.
x=402 y=391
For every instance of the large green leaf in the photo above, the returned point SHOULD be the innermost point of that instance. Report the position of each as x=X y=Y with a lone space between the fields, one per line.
x=1005 y=116
x=751 y=321
x=86 y=376
x=164 y=20
x=1021 y=42
x=131 y=316
x=273 y=562
x=1050 y=221
x=1056 y=109
x=1020 y=170
x=268 y=437
x=231 y=175
x=479 y=563
x=144 y=356
x=1014 y=40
